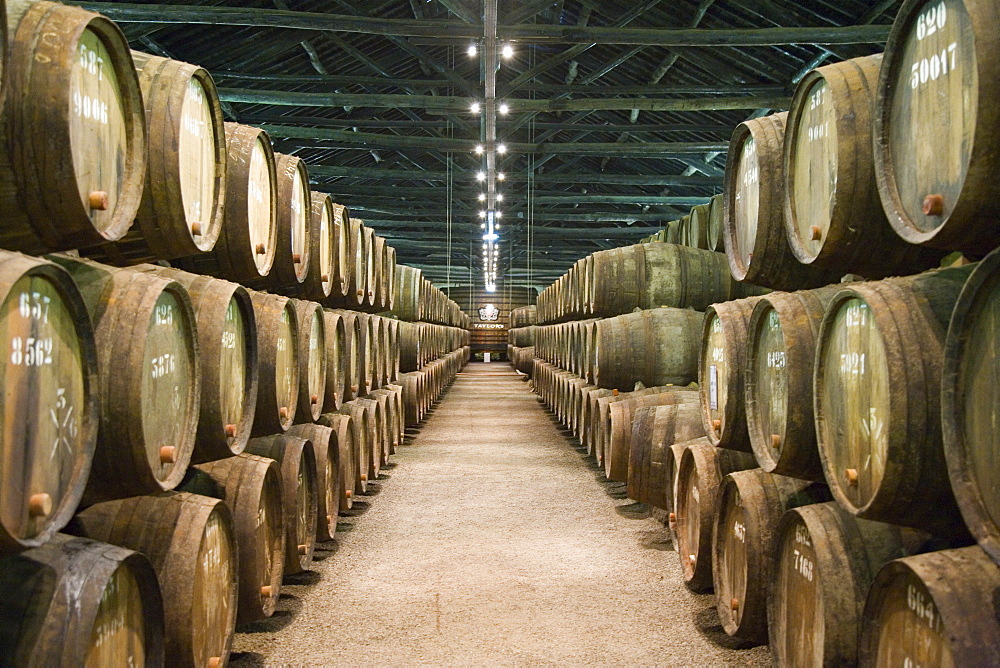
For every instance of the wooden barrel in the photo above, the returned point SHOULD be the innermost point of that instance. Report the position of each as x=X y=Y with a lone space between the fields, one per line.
x=672 y=233
x=588 y=409
x=190 y=541
x=312 y=357
x=754 y=210
x=716 y=224
x=654 y=347
x=51 y=385
x=934 y=125
x=251 y=488
x=698 y=224
x=824 y=562
x=389 y=277
x=399 y=411
x=647 y=276
x=385 y=425
x=149 y=374
x=783 y=330
x=367 y=342
x=721 y=371
x=701 y=470
x=299 y=491
x=393 y=430
x=833 y=217
x=278 y=352
x=408 y=280
x=374 y=424
x=378 y=256
x=293 y=218
x=619 y=444
x=363 y=431
x=601 y=421
x=329 y=481
x=392 y=354
x=935 y=609
x=412 y=400
x=878 y=388
x=352 y=341
x=356 y=269
x=336 y=359
x=74 y=156
x=380 y=358
x=78 y=602
x=321 y=274
x=968 y=394
x=750 y=505
x=348 y=461
x=654 y=429
x=341 y=229
x=245 y=250
x=368 y=250
x=227 y=346
x=181 y=209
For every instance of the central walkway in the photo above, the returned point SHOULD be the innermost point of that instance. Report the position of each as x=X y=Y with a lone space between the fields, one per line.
x=494 y=541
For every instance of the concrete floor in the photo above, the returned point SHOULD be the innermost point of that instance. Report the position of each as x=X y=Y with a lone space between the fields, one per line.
x=493 y=540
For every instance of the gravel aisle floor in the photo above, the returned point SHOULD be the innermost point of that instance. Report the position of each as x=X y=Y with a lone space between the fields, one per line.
x=492 y=540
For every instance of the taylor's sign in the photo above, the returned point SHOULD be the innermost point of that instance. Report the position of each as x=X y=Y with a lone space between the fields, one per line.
x=487 y=325
x=488 y=312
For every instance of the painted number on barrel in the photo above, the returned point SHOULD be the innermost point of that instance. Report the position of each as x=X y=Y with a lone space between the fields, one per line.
x=164 y=314
x=713 y=387
x=163 y=365
x=740 y=531
x=802 y=564
x=34 y=305
x=89 y=107
x=31 y=351
x=938 y=64
x=922 y=607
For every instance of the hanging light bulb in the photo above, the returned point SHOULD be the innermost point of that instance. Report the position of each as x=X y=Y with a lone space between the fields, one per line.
x=507 y=52
x=472 y=51
x=503 y=109
x=499 y=197
x=500 y=176
x=501 y=148
x=499 y=214
x=479 y=149
x=482 y=197
x=480 y=176
x=474 y=108
x=482 y=214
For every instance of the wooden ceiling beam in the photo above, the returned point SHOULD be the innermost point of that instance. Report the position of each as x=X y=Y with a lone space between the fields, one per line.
x=330 y=171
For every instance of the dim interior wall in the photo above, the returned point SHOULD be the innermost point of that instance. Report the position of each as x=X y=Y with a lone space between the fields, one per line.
x=490 y=335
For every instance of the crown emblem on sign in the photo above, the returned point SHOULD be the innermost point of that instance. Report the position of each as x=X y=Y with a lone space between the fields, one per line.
x=488 y=312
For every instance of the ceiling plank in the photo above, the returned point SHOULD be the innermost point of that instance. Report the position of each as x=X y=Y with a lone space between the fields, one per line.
x=330 y=171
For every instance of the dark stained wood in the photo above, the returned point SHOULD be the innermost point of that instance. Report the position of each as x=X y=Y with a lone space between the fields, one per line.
x=252 y=490
x=90 y=116
x=620 y=443
x=783 y=329
x=363 y=432
x=833 y=216
x=278 y=353
x=878 y=390
x=750 y=506
x=293 y=220
x=824 y=562
x=654 y=347
x=190 y=541
x=655 y=429
x=351 y=344
x=297 y=464
x=935 y=609
x=348 y=459
x=934 y=120
x=337 y=362
x=51 y=370
x=150 y=377
x=322 y=272
x=329 y=480
x=312 y=358
x=75 y=601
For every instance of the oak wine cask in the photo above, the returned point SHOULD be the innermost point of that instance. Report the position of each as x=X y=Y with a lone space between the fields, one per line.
x=297 y=465
x=227 y=346
x=387 y=402
x=588 y=418
x=317 y=284
x=357 y=270
x=329 y=481
x=190 y=541
x=389 y=277
x=75 y=601
x=654 y=347
x=756 y=243
x=655 y=429
x=278 y=354
x=750 y=506
x=701 y=470
x=716 y=224
x=312 y=356
x=412 y=397
x=619 y=443
x=73 y=159
x=293 y=222
x=833 y=215
x=245 y=249
x=348 y=460
x=697 y=228
x=407 y=284
x=337 y=361
x=934 y=124
x=363 y=431
x=969 y=398
x=149 y=373
x=721 y=372
x=341 y=229
x=878 y=400
x=352 y=343
x=934 y=609
x=181 y=210
x=50 y=405
x=252 y=490
x=368 y=250
x=783 y=330
x=373 y=422
x=824 y=563
x=380 y=261
x=366 y=351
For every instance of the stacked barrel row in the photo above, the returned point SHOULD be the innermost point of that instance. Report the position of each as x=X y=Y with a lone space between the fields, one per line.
x=839 y=490
x=122 y=379
x=702 y=227
x=417 y=300
x=147 y=171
